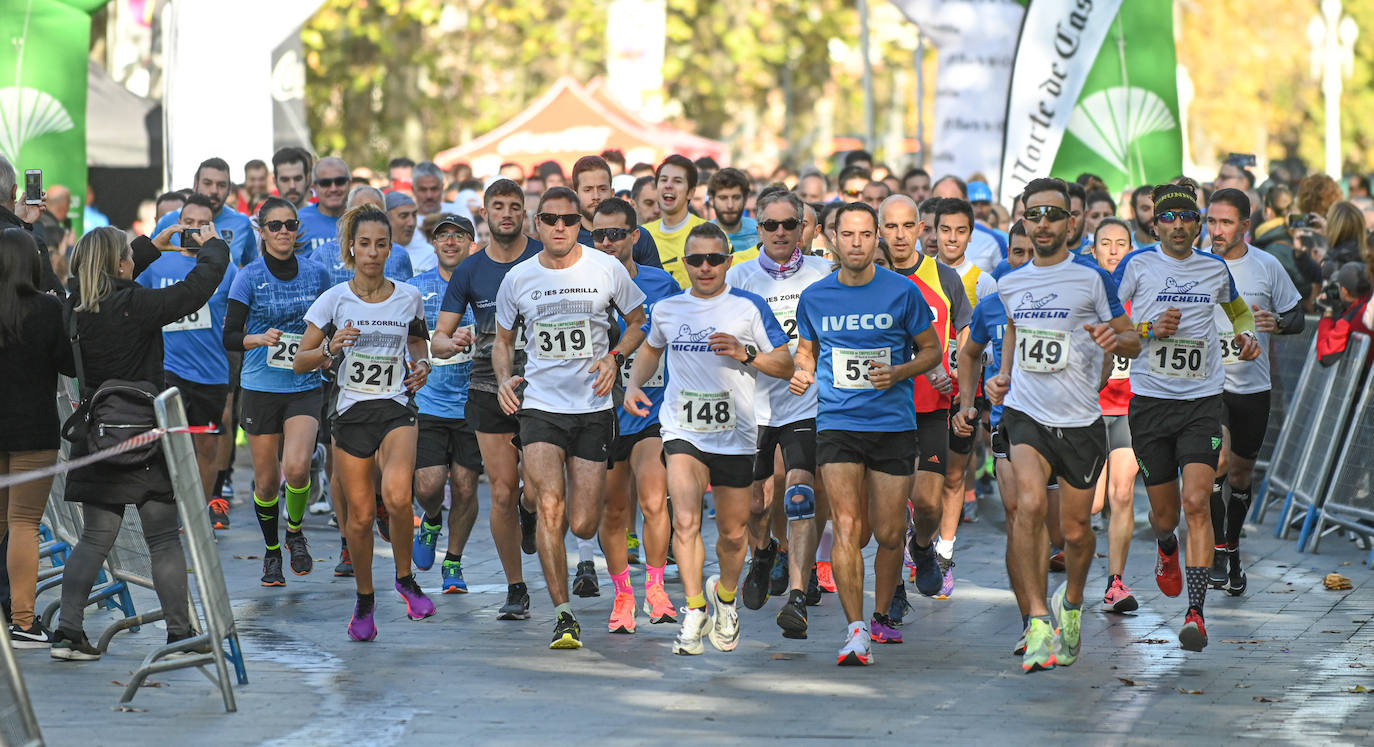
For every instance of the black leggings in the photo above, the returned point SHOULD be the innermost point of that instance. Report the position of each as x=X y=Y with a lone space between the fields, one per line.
x=160 y=529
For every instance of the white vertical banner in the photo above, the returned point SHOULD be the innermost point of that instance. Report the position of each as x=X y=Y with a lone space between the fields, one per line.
x=635 y=35
x=1058 y=45
x=975 y=40
x=206 y=111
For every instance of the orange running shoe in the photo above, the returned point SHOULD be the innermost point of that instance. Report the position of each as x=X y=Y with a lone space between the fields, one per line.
x=658 y=606
x=1168 y=574
x=622 y=614
x=219 y=513
x=826 y=575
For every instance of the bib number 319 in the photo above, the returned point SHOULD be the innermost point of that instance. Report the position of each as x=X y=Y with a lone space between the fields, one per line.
x=563 y=340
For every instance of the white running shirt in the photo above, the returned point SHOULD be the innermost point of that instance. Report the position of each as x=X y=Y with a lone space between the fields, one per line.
x=567 y=315
x=374 y=367
x=1262 y=281
x=776 y=404
x=1057 y=366
x=709 y=400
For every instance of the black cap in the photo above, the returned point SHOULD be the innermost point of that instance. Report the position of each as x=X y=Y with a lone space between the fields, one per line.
x=457 y=221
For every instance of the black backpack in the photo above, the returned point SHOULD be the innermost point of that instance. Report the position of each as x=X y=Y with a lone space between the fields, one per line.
x=115 y=412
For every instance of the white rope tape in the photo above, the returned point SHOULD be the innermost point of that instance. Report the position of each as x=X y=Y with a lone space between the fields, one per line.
x=134 y=442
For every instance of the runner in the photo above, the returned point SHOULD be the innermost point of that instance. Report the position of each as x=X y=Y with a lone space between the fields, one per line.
x=1116 y=488
x=290 y=172
x=566 y=415
x=717 y=339
x=857 y=327
x=375 y=323
x=327 y=254
x=638 y=447
x=591 y=180
x=212 y=181
x=447 y=452
x=1176 y=406
x=1062 y=315
x=474 y=285
x=729 y=190
x=193 y=347
x=786 y=422
x=280 y=408
x=676 y=178
x=944 y=294
x=320 y=222
x=1277 y=307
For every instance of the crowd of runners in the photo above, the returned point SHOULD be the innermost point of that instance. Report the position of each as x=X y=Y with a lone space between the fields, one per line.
x=814 y=365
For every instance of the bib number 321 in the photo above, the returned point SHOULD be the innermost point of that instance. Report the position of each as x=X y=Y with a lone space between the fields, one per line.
x=373 y=374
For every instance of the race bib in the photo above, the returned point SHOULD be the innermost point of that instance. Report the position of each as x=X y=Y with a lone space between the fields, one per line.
x=1231 y=346
x=563 y=340
x=849 y=367
x=706 y=412
x=1179 y=358
x=198 y=319
x=656 y=380
x=787 y=318
x=283 y=353
x=365 y=373
x=1121 y=368
x=1042 y=350
x=462 y=356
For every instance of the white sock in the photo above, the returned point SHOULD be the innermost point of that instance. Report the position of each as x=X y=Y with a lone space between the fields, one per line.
x=584 y=549
x=823 y=549
x=945 y=547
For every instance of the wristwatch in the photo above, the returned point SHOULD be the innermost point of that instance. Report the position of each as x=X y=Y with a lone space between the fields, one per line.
x=619 y=358
x=750 y=353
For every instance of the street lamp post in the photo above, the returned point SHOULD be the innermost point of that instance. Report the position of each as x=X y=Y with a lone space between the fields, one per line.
x=1333 y=58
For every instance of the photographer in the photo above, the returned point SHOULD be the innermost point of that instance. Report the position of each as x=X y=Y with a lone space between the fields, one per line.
x=119 y=324
x=1344 y=302
x=1345 y=234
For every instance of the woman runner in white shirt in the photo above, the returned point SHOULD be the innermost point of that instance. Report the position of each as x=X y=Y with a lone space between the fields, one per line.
x=375 y=324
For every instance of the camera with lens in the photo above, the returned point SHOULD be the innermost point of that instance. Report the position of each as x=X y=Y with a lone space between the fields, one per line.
x=1329 y=298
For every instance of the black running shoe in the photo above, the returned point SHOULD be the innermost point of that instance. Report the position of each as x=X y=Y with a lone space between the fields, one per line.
x=383 y=521
x=72 y=648
x=271 y=571
x=567 y=634
x=585 y=583
x=529 y=526
x=517 y=606
x=296 y=545
x=777 y=580
x=792 y=617
x=754 y=590
x=345 y=566
x=219 y=513
x=1235 y=577
x=1217 y=576
x=813 y=589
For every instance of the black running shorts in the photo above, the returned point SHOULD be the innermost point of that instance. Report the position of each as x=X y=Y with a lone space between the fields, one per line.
x=1075 y=455
x=1169 y=433
x=798 y=442
x=889 y=453
x=1247 y=418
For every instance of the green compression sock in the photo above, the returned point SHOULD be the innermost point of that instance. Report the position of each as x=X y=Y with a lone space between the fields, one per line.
x=296 y=498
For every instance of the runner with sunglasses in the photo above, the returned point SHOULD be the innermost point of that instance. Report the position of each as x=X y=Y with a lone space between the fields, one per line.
x=475 y=285
x=280 y=409
x=864 y=334
x=637 y=452
x=1062 y=314
x=564 y=297
x=786 y=422
x=1177 y=381
x=716 y=339
x=375 y=324
x=320 y=221
x=328 y=255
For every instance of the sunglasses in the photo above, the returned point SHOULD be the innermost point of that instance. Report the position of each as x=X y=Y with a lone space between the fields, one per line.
x=772 y=225
x=273 y=226
x=715 y=259
x=609 y=234
x=1187 y=216
x=450 y=236
x=568 y=219
x=1053 y=213
x=337 y=181
x=851 y=192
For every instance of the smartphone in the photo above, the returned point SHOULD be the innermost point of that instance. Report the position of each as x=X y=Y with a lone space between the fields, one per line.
x=1243 y=160
x=33 y=187
x=187 y=234
x=1297 y=220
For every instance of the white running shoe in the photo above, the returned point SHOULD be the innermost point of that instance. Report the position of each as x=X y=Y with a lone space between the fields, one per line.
x=857 y=650
x=694 y=624
x=724 y=633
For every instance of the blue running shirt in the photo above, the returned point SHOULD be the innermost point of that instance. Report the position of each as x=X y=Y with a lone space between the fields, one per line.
x=445 y=393
x=278 y=304
x=656 y=284
x=193 y=346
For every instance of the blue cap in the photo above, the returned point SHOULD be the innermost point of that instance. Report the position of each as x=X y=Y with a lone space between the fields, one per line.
x=979 y=192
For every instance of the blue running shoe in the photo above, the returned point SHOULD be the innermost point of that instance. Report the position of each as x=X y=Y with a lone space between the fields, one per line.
x=422 y=552
x=899 y=607
x=453 y=578
x=929 y=578
x=777 y=578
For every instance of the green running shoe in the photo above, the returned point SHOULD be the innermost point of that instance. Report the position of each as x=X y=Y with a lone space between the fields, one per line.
x=1069 y=633
x=1039 y=647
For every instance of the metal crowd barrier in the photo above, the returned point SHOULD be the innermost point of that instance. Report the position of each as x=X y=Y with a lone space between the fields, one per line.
x=18 y=727
x=1288 y=356
x=1309 y=394
x=1349 y=503
x=209 y=576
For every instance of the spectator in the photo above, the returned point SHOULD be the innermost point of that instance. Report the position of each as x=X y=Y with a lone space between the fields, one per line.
x=1346 y=235
x=1345 y=309
x=1317 y=193
x=15 y=214
x=33 y=350
x=1359 y=186
x=120 y=327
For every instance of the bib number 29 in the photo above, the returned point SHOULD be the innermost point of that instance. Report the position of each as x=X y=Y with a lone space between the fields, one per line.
x=283 y=353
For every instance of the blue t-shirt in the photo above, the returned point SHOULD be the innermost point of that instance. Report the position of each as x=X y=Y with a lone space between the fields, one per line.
x=445 y=393
x=997 y=236
x=193 y=346
x=656 y=284
x=234 y=227
x=850 y=324
x=316 y=227
x=475 y=284
x=328 y=256
x=746 y=238
x=279 y=304
x=645 y=252
x=987 y=328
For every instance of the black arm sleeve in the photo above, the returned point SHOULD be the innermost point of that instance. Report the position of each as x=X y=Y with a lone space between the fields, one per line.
x=1291 y=321
x=418 y=328
x=235 y=319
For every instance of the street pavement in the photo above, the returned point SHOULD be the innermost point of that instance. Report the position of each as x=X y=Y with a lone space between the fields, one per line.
x=1280 y=669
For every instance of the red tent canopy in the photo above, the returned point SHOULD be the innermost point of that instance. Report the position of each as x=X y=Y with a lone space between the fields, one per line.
x=569 y=122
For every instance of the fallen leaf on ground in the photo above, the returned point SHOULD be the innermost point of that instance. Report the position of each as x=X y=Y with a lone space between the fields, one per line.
x=1357 y=665
x=1189 y=692
x=1262 y=699
x=1151 y=640
x=146 y=683
x=1333 y=631
x=1282 y=591
x=1360 y=689
x=1336 y=582
x=247 y=557
x=130 y=709
x=782 y=657
x=1241 y=685
x=1346 y=563
x=1237 y=640
x=1126 y=682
